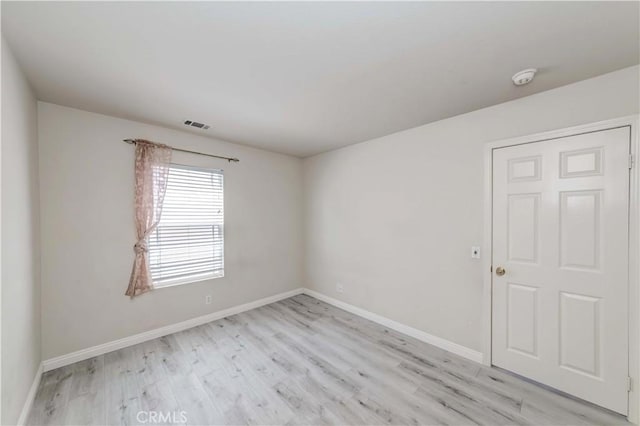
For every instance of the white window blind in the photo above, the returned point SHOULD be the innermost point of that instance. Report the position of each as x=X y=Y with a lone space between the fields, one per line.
x=188 y=244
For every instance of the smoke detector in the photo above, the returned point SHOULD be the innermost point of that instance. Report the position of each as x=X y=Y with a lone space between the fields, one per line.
x=523 y=77
x=192 y=123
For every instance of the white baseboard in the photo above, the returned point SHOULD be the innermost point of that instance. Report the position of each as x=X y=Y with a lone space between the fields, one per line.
x=81 y=355
x=445 y=344
x=31 y=396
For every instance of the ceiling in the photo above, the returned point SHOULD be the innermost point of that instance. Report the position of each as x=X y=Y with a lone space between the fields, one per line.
x=303 y=78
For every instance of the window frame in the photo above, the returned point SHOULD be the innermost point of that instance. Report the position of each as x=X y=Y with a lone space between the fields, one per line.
x=212 y=275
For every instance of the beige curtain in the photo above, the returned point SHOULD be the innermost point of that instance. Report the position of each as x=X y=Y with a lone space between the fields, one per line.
x=152 y=172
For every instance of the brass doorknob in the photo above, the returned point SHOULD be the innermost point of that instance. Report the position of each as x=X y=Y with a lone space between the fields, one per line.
x=500 y=271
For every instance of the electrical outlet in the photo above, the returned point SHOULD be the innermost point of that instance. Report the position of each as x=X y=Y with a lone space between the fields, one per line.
x=339 y=288
x=475 y=252
x=207 y=299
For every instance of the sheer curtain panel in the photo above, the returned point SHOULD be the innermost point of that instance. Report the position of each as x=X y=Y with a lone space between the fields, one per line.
x=151 y=175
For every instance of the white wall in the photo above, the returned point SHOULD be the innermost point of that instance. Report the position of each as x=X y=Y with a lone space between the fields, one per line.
x=20 y=239
x=393 y=219
x=86 y=178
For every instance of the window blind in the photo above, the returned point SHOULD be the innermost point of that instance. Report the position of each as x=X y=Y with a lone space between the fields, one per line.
x=188 y=244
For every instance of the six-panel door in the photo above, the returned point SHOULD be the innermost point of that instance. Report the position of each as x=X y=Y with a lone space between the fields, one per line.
x=560 y=231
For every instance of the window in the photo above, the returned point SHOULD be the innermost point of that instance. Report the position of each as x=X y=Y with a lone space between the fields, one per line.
x=188 y=244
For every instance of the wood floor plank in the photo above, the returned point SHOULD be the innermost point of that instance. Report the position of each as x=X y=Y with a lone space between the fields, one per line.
x=50 y=404
x=88 y=408
x=462 y=386
x=249 y=378
x=299 y=361
x=543 y=405
x=159 y=397
x=122 y=388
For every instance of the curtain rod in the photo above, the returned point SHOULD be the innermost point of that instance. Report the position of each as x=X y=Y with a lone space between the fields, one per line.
x=229 y=159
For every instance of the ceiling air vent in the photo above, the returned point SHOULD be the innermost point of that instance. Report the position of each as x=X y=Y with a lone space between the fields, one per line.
x=192 y=123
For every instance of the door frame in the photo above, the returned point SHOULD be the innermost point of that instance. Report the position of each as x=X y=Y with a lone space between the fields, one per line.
x=634 y=241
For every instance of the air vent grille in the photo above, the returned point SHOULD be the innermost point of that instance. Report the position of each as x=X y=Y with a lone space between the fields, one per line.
x=196 y=124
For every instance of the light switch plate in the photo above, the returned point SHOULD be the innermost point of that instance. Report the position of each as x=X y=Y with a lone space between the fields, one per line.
x=475 y=252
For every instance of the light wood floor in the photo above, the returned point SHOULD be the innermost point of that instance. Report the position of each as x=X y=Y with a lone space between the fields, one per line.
x=298 y=361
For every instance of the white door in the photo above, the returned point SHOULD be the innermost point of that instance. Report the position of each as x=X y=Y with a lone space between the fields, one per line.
x=560 y=235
